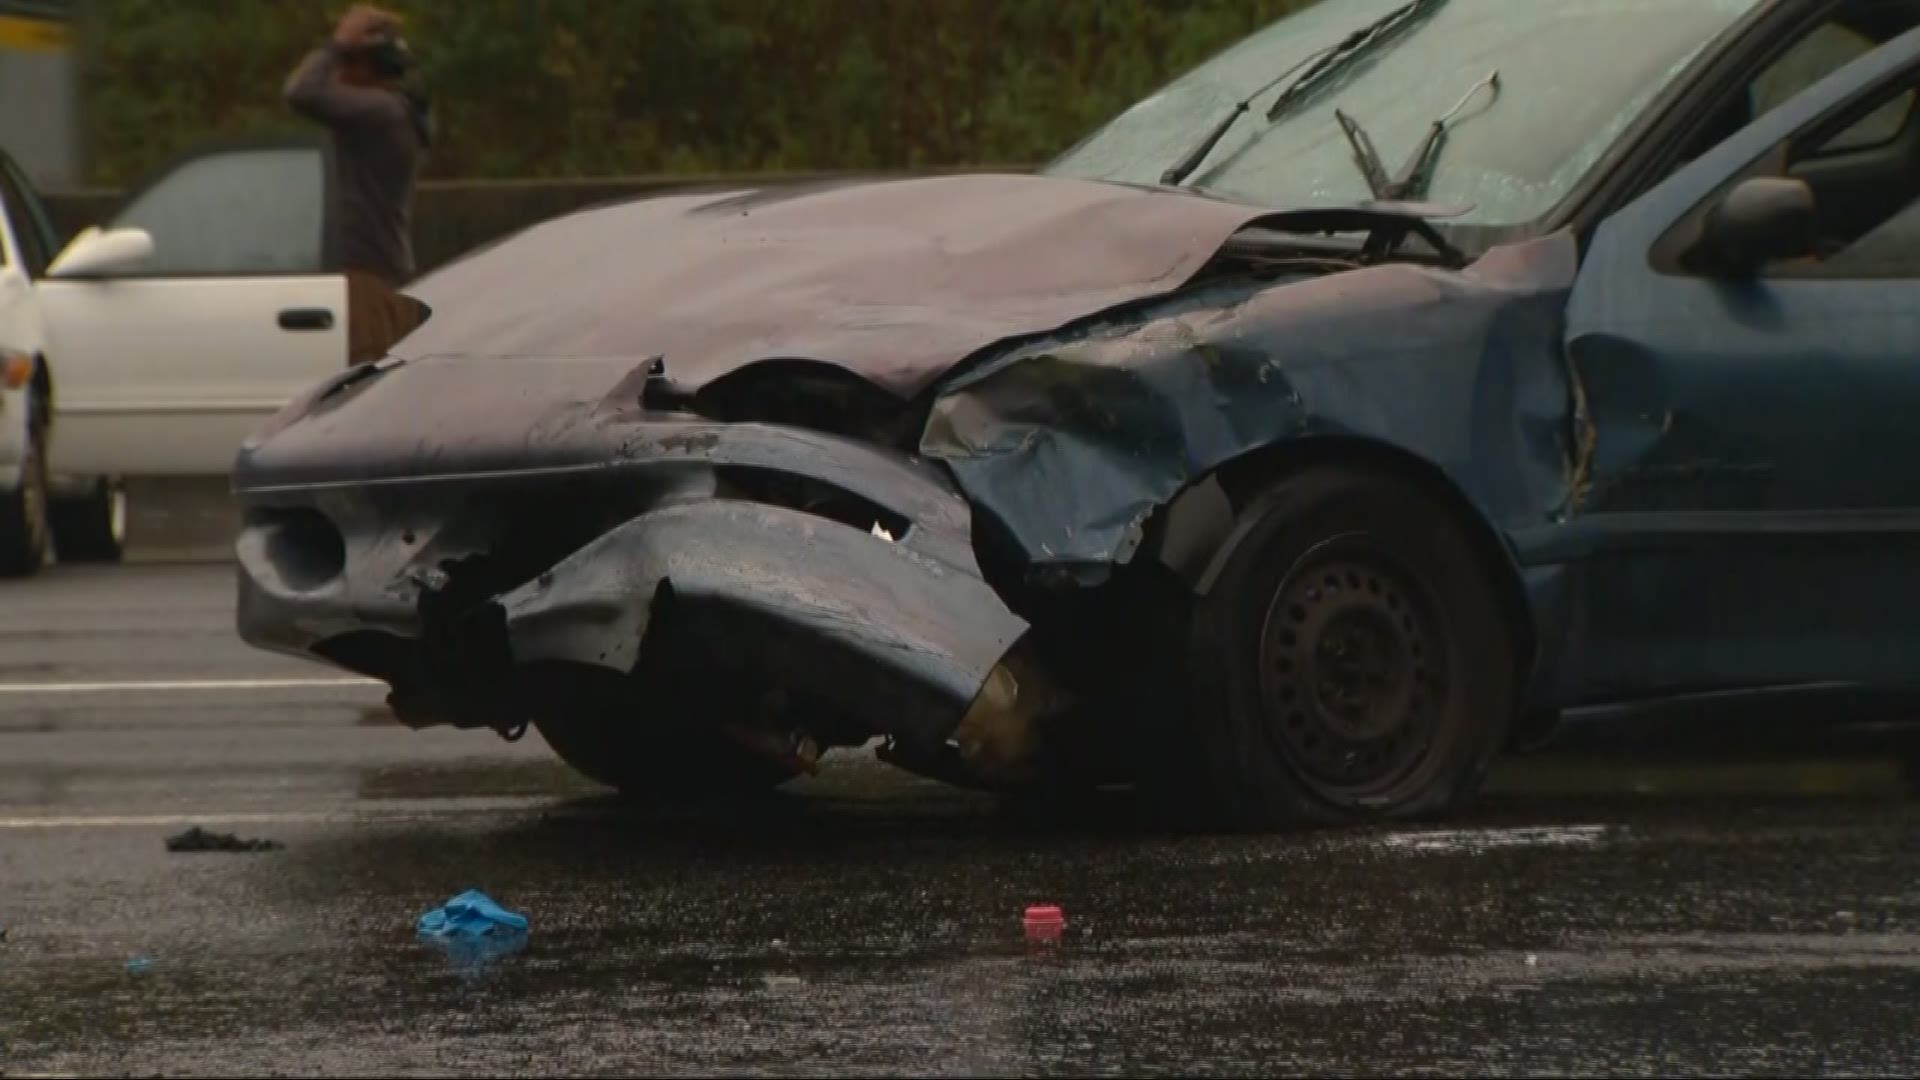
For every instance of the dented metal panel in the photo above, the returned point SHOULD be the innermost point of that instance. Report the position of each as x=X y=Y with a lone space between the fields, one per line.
x=567 y=558
x=1072 y=441
x=1746 y=518
x=892 y=280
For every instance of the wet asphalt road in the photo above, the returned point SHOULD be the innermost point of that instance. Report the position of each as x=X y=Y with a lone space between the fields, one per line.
x=1654 y=918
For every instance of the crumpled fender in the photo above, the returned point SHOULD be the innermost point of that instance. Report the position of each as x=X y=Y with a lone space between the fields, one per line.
x=1071 y=441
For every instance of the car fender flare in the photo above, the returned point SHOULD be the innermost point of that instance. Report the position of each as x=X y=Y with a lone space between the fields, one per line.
x=1240 y=479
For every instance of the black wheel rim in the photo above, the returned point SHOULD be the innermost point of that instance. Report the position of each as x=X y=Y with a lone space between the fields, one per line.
x=1354 y=670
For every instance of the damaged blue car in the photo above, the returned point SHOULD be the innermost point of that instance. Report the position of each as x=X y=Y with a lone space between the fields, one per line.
x=1399 y=379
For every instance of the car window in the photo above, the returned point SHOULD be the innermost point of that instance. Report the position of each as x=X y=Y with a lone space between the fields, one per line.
x=33 y=251
x=255 y=211
x=32 y=226
x=1826 y=50
x=1889 y=249
x=7 y=204
x=1867 y=206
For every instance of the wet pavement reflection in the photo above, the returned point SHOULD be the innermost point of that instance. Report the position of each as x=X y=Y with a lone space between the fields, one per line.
x=873 y=926
x=1643 y=917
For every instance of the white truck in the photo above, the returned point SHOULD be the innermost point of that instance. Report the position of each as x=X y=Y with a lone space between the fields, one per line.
x=152 y=345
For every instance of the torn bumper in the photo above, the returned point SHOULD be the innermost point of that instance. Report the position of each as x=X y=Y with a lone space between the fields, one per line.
x=669 y=554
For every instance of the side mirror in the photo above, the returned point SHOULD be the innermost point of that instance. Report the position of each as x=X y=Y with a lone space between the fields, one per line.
x=94 y=253
x=1759 y=221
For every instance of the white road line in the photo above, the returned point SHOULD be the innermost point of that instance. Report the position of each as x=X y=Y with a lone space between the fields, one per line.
x=433 y=809
x=110 y=820
x=179 y=686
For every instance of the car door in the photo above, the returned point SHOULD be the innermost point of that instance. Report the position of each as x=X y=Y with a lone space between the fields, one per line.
x=1748 y=512
x=165 y=366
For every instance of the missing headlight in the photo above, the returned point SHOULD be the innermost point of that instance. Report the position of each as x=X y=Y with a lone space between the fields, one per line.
x=302 y=545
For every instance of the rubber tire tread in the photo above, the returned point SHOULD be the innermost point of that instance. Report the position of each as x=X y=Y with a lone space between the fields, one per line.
x=1247 y=780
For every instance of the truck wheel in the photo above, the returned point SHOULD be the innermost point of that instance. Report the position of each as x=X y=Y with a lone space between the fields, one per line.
x=1351 y=661
x=92 y=527
x=24 y=522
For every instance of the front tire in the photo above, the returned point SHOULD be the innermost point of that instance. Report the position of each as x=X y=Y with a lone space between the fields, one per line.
x=92 y=527
x=25 y=524
x=1351 y=662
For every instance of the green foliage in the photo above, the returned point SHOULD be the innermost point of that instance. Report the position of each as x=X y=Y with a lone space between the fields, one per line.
x=596 y=87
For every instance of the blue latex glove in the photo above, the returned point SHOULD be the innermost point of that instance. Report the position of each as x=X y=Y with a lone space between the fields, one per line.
x=472 y=914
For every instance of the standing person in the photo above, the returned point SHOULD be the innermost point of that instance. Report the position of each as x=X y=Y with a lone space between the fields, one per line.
x=380 y=131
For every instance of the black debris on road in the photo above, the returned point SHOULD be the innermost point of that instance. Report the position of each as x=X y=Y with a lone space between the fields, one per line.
x=199 y=839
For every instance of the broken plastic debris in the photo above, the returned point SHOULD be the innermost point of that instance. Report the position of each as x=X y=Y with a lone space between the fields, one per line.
x=199 y=839
x=1044 y=922
x=139 y=964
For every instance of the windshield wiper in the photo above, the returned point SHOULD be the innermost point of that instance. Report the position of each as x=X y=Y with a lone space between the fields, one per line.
x=1418 y=171
x=1323 y=62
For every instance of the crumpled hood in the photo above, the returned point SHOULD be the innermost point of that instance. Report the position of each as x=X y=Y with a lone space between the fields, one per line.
x=894 y=280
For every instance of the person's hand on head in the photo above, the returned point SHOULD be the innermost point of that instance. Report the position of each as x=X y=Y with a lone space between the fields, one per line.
x=364 y=24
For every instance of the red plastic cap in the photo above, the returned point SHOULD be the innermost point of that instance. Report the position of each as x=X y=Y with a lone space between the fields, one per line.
x=1044 y=920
